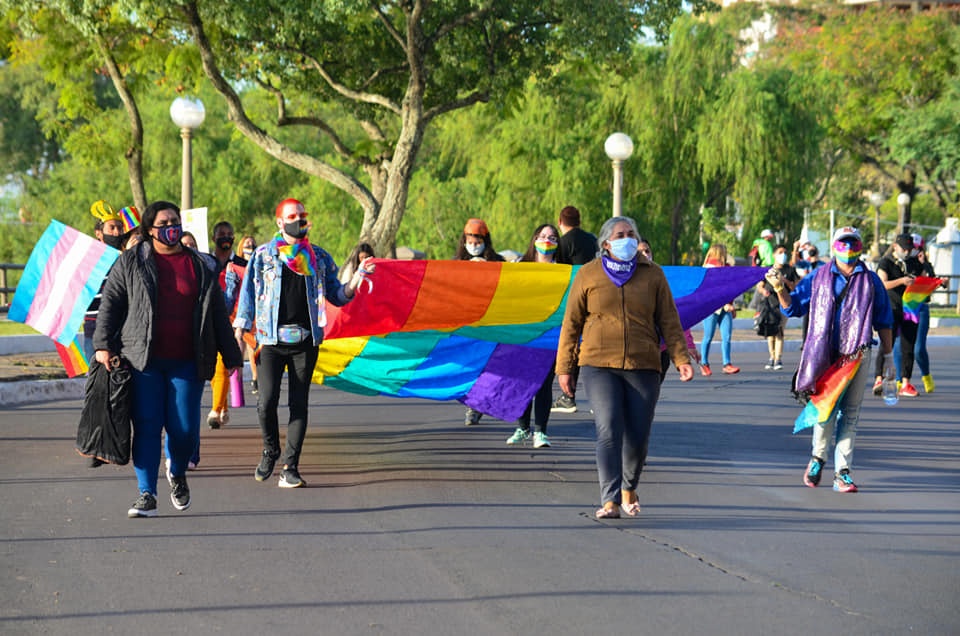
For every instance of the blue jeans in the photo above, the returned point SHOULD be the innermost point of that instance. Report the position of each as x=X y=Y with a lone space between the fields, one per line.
x=840 y=430
x=920 y=346
x=623 y=404
x=166 y=396
x=725 y=320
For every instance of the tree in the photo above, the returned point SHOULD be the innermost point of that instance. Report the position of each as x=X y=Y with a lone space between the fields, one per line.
x=393 y=68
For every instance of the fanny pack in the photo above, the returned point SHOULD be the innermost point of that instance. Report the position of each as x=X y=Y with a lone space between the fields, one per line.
x=292 y=334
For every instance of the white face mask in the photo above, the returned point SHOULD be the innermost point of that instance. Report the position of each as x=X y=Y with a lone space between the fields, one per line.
x=782 y=259
x=475 y=249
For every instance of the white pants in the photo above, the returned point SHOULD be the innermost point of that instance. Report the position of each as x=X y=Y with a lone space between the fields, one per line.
x=844 y=421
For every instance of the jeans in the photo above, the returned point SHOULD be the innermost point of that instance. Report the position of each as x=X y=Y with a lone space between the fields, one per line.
x=623 y=403
x=842 y=427
x=166 y=396
x=540 y=405
x=920 y=346
x=725 y=320
x=299 y=361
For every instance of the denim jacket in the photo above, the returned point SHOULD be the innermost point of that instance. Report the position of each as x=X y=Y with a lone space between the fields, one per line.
x=259 y=297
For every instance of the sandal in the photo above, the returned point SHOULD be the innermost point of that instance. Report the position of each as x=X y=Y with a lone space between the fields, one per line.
x=608 y=513
x=631 y=509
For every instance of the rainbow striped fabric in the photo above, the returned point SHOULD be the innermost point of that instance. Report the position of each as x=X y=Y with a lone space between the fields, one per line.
x=61 y=277
x=482 y=333
x=916 y=294
x=72 y=358
x=830 y=388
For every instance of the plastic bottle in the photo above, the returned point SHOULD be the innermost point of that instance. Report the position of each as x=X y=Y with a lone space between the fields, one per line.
x=890 y=396
x=236 y=390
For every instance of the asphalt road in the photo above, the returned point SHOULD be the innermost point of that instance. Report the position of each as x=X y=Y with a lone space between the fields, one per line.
x=415 y=524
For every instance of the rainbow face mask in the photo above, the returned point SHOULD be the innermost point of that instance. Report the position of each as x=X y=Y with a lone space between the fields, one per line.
x=847 y=251
x=545 y=247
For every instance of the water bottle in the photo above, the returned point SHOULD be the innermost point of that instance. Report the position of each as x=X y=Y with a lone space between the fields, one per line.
x=890 y=387
x=236 y=389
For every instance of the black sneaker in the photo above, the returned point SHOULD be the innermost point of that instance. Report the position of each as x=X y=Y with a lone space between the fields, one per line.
x=179 y=492
x=813 y=473
x=564 y=404
x=290 y=478
x=254 y=387
x=144 y=506
x=265 y=467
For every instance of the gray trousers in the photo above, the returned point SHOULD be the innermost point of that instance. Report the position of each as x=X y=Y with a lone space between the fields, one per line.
x=623 y=403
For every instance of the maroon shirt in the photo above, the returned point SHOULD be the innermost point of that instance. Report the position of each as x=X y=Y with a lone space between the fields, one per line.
x=177 y=291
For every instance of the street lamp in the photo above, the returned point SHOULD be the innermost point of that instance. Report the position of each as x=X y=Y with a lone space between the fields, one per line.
x=877 y=199
x=618 y=147
x=187 y=114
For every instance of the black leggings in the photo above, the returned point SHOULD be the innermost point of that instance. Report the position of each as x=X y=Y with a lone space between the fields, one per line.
x=906 y=331
x=299 y=361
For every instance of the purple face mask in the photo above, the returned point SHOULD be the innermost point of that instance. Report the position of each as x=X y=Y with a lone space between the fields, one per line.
x=169 y=234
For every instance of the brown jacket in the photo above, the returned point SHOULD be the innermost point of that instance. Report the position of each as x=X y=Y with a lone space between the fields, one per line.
x=621 y=327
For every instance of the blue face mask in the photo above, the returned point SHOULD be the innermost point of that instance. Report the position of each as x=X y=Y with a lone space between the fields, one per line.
x=624 y=249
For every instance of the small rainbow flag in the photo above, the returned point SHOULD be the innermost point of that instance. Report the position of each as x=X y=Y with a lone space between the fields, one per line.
x=72 y=357
x=482 y=333
x=916 y=294
x=61 y=277
x=830 y=388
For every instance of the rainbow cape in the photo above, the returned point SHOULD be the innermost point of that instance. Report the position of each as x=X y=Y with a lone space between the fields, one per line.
x=484 y=334
x=61 y=277
x=830 y=388
x=916 y=294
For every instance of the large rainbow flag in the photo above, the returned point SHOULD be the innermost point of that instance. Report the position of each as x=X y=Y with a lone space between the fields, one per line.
x=916 y=294
x=61 y=277
x=482 y=333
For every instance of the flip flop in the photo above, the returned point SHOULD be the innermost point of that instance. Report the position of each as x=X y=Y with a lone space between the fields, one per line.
x=608 y=513
x=631 y=509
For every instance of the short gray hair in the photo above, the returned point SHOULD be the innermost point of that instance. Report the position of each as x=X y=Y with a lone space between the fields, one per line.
x=606 y=231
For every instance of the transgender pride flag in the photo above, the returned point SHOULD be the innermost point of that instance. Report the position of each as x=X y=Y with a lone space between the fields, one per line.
x=61 y=277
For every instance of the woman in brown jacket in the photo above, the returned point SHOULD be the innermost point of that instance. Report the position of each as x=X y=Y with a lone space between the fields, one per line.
x=620 y=304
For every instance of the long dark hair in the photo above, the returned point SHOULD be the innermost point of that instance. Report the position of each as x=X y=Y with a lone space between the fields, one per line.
x=148 y=216
x=530 y=256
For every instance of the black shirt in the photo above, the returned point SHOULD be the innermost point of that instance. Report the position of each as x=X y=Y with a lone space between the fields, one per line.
x=894 y=269
x=293 y=300
x=577 y=247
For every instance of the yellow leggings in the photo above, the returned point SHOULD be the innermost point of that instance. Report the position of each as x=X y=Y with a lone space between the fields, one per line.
x=220 y=383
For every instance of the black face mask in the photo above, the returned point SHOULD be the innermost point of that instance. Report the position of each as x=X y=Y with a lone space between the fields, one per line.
x=224 y=243
x=296 y=229
x=116 y=242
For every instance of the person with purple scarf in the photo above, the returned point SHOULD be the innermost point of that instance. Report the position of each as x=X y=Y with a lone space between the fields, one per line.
x=620 y=304
x=846 y=303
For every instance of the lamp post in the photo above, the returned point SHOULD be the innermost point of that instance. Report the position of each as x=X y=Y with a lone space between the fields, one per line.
x=903 y=203
x=877 y=199
x=187 y=114
x=618 y=147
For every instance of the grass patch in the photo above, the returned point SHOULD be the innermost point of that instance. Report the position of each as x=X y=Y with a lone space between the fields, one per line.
x=10 y=328
x=944 y=312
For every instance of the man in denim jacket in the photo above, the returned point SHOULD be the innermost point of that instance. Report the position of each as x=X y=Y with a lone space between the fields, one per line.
x=282 y=301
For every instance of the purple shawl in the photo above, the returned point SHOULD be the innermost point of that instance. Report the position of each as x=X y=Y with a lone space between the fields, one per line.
x=856 y=324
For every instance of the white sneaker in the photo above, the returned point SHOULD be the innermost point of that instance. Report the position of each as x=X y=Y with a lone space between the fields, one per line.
x=540 y=439
x=519 y=436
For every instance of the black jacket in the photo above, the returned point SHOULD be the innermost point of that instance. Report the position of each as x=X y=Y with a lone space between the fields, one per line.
x=577 y=247
x=125 y=322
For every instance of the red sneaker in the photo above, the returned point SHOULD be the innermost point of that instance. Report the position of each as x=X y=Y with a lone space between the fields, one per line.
x=705 y=370
x=908 y=390
x=730 y=369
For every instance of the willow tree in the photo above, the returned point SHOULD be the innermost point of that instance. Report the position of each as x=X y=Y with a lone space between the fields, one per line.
x=393 y=67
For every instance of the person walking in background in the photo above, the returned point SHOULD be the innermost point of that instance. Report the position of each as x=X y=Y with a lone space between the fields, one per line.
x=109 y=230
x=723 y=317
x=542 y=249
x=892 y=270
x=919 y=265
x=475 y=244
x=245 y=251
x=576 y=247
x=806 y=260
x=761 y=251
x=771 y=322
x=618 y=307
x=163 y=312
x=847 y=303
x=282 y=301
x=230 y=268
